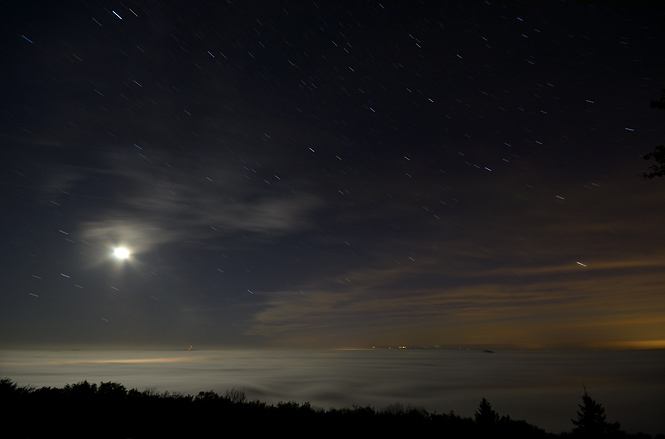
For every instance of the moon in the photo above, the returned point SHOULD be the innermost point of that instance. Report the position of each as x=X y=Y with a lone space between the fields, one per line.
x=121 y=252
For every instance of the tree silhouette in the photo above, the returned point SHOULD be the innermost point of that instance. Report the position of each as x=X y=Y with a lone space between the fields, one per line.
x=236 y=396
x=109 y=410
x=485 y=414
x=591 y=421
x=658 y=154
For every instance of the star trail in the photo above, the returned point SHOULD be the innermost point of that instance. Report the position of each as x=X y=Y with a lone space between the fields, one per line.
x=331 y=174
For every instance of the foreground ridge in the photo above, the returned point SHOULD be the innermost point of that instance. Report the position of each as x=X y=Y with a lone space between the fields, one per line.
x=109 y=410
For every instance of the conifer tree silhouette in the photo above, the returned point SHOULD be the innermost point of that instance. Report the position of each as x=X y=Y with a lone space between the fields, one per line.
x=485 y=414
x=591 y=421
x=658 y=154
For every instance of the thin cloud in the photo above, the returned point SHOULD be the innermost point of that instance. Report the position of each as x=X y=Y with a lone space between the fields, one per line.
x=154 y=203
x=548 y=306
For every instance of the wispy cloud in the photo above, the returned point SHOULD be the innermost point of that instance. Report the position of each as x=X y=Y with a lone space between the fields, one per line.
x=152 y=201
x=426 y=303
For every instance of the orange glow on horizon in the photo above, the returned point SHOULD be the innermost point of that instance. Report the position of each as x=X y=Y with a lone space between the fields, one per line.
x=634 y=344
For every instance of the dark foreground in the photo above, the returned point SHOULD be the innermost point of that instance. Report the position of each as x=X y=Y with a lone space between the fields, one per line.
x=109 y=410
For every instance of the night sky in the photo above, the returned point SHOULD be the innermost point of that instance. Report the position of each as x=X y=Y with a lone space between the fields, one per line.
x=331 y=174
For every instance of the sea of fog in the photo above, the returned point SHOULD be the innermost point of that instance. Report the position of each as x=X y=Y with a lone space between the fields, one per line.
x=542 y=388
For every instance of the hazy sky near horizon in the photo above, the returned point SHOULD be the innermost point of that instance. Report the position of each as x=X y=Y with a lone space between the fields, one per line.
x=331 y=174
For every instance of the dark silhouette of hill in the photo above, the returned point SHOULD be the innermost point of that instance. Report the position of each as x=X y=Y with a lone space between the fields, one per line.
x=109 y=410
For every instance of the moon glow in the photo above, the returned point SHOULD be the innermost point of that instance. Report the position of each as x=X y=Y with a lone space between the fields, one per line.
x=121 y=252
